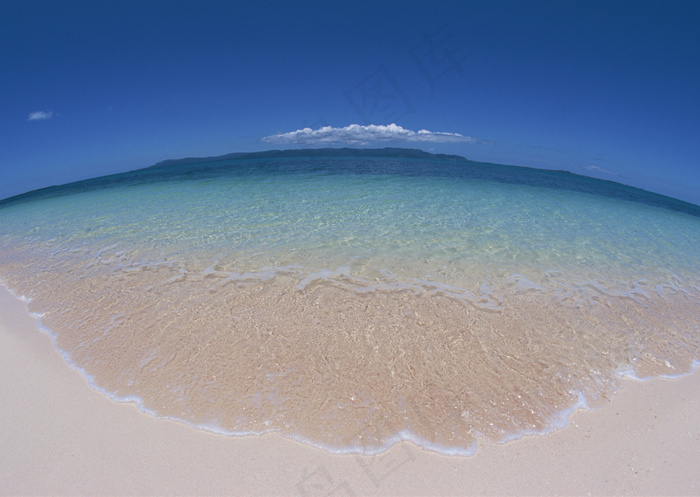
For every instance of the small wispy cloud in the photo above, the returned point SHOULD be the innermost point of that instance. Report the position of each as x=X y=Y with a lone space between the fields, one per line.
x=599 y=169
x=356 y=134
x=40 y=115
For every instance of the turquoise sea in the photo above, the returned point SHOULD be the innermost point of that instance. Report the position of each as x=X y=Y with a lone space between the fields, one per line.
x=353 y=302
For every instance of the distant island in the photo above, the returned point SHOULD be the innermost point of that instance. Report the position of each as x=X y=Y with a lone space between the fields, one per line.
x=412 y=153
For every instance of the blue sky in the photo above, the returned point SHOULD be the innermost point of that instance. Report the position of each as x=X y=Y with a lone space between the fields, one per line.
x=609 y=89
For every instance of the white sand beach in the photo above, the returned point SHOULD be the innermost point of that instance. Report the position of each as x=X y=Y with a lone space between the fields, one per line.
x=60 y=437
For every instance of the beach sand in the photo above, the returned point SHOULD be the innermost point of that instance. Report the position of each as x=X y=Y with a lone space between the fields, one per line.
x=60 y=437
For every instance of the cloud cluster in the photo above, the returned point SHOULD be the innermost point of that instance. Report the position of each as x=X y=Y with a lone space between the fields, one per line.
x=355 y=134
x=40 y=115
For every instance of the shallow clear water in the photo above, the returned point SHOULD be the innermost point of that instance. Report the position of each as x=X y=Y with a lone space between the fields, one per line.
x=354 y=302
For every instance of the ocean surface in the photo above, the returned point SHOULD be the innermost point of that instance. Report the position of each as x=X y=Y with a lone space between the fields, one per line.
x=351 y=303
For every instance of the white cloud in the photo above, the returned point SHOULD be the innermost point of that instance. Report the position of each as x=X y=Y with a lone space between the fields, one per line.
x=600 y=170
x=355 y=134
x=40 y=115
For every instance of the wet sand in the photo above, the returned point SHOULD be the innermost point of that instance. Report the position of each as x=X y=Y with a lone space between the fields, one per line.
x=60 y=437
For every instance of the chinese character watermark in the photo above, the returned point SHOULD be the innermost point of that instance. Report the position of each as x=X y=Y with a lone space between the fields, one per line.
x=436 y=56
x=379 y=467
x=379 y=98
x=319 y=482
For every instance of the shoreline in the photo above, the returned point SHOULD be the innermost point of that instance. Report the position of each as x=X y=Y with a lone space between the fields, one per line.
x=62 y=437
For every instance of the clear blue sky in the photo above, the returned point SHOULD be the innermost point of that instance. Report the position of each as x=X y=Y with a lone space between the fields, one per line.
x=605 y=88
